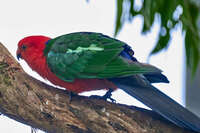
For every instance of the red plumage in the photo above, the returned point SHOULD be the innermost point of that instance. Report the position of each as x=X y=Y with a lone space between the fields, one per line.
x=31 y=50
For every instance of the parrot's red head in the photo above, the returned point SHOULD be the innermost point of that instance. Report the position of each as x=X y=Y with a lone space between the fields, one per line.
x=31 y=47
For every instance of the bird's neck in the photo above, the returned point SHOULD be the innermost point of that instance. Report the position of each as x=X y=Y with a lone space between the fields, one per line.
x=38 y=63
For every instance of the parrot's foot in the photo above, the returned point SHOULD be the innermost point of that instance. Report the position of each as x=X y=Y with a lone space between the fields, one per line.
x=105 y=97
x=71 y=94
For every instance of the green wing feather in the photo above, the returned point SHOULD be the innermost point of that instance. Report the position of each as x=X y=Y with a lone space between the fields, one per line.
x=86 y=55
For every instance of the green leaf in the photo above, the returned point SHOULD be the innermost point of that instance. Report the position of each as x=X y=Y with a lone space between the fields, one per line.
x=165 y=18
x=132 y=11
x=148 y=13
x=192 y=51
x=119 y=22
x=192 y=38
x=162 y=42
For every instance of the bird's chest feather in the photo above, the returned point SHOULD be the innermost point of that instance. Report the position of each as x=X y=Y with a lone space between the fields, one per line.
x=39 y=64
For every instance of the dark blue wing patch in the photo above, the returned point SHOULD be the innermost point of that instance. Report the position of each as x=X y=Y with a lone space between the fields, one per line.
x=128 y=53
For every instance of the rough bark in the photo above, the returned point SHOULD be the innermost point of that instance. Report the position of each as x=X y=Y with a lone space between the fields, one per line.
x=41 y=106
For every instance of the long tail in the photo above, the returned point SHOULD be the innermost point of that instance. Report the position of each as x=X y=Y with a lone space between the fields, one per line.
x=142 y=90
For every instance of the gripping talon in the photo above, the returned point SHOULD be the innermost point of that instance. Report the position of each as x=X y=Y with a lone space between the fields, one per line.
x=105 y=97
x=71 y=94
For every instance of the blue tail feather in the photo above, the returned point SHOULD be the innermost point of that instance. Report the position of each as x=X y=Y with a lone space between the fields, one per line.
x=158 y=101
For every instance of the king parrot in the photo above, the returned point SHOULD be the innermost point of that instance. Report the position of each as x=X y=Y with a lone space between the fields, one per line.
x=85 y=61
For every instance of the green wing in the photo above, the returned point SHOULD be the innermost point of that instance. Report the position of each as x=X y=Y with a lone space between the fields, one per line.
x=90 y=55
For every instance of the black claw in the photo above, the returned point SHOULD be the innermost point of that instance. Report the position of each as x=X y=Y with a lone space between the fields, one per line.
x=105 y=97
x=112 y=100
x=71 y=94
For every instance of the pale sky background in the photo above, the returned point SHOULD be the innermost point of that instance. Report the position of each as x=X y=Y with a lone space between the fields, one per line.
x=56 y=17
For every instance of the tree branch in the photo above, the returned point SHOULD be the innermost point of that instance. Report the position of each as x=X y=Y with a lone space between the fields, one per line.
x=41 y=106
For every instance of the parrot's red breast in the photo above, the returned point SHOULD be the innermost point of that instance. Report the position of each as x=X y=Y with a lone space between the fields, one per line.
x=31 y=49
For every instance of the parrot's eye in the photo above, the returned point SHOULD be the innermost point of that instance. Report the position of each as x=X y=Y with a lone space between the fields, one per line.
x=23 y=47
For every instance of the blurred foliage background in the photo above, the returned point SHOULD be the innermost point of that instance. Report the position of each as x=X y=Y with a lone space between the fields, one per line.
x=170 y=13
